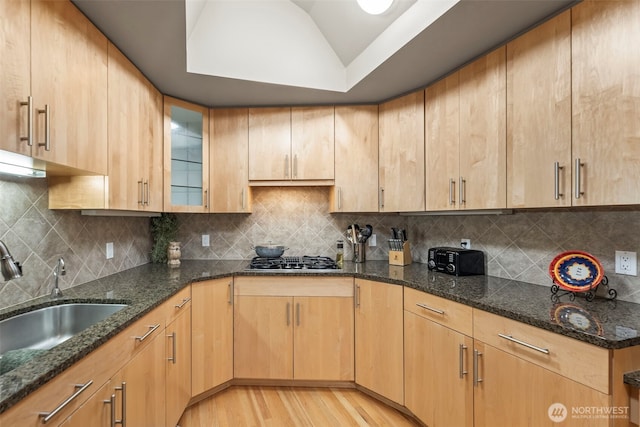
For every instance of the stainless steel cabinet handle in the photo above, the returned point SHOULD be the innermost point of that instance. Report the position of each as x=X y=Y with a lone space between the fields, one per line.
x=525 y=344
x=381 y=197
x=295 y=166
x=556 y=180
x=46 y=416
x=288 y=314
x=29 y=105
x=476 y=375
x=452 y=188
x=172 y=359
x=462 y=350
x=286 y=166
x=206 y=199
x=47 y=135
x=123 y=398
x=112 y=402
x=578 y=167
x=152 y=328
x=339 y=198
x=145 y=192
x=140 y=193
x=357 y=298
x=298 y=314
x=230 y=300
x=184 y=301
x=463 y=191
x=242 y=200
x=426 y=307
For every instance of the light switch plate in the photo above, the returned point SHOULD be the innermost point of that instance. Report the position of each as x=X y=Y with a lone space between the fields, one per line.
x=372 y=240
x=109 y=250
x=205 y=240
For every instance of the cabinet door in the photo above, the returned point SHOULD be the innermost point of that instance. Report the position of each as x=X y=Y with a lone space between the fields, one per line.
x=401 y=151
x=263 y=337
x=230 y=190
x=15 y=50
x=539 y=116
x=437 y=373
x=514 y=392
x=356 y=159
x=186 y=157
x=135 y=137
x=312 y=143
x=323 y=339
x=144 y=383
x=178 y=368
x=269 y=144
x=379 y=341
x=442 y=143
x=212 y=334
x=483 y=133
x=96 y=411
x=606 y=101
x=69 y=76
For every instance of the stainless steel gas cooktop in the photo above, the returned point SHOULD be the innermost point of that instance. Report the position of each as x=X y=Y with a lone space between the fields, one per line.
x=293 y=263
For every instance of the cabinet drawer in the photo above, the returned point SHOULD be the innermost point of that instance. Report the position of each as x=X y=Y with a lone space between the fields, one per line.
x=577 y=360
x=294 y=286
x=177 y=304
x=440 y=310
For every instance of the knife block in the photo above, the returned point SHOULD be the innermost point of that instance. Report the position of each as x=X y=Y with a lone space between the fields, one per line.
x=402 y=257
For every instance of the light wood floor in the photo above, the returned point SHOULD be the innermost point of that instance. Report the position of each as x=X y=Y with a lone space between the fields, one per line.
x=286 y=406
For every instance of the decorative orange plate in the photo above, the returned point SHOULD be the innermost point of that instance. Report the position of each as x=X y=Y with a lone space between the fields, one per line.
x=576 y=271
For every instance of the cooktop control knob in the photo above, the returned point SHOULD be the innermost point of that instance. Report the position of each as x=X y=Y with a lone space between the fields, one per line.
x=431 y=264
x=451 y=268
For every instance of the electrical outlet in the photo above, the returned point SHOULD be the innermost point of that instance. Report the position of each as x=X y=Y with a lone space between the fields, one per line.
x=465 y=243
x=372 y=240
x=626 y=263
x=205 y=240
x=109 y=250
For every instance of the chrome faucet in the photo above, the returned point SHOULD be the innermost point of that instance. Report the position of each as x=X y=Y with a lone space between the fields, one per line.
x=10 y=269
x=59 y=271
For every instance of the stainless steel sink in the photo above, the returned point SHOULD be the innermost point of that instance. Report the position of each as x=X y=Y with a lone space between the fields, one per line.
x=47 y=327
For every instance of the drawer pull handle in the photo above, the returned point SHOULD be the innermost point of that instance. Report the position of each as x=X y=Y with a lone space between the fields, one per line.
x=172 y=359
x=525 y=344
x=184 y=301
x=152 y=328
x=112 y=402
x=46 y=416
x=426 y=307
x=123 y=399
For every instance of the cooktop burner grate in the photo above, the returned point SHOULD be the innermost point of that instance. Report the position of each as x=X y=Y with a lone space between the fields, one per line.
x=293 y=263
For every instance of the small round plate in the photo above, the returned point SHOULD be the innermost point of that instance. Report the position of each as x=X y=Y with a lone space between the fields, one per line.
x=575 y=317
x=576 y=271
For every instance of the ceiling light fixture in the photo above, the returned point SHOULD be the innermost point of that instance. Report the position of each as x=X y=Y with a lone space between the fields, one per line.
x=375 y=7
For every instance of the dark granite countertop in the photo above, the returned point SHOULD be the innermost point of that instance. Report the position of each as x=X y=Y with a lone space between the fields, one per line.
x=605 y=323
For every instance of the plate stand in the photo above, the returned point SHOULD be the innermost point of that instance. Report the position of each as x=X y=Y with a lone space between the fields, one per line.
x=589 y=295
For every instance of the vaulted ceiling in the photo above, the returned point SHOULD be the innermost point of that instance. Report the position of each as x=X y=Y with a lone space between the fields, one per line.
x=225 y=53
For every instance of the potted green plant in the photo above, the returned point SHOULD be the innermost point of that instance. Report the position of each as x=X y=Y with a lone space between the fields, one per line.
x=164 y=229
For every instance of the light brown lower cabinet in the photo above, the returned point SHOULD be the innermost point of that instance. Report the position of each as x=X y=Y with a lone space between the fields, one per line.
x=379 y=338
x=178 y=365
x=211 y=334
x=293 y=328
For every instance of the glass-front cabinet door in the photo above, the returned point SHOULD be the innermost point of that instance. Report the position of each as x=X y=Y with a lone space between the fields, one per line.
x=186 y=156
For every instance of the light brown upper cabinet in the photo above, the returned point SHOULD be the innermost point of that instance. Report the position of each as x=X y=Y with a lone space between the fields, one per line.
x=482 y=182
x=54 y=71
x=135 y=138
x=356 y=174
x=442 y=143
x=15 y=50
x=539 y=116
x=401 y=154
x=186 y=156
x=605 y=102
x=229 y=174
x=288 y=144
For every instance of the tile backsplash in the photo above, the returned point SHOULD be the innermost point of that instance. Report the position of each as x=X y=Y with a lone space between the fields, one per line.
x=518 y=246
x=37 y=236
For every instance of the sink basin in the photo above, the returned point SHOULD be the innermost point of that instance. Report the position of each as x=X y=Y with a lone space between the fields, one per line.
x=47 y=327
